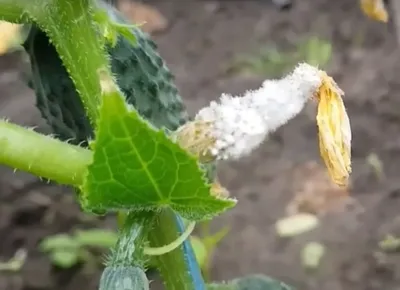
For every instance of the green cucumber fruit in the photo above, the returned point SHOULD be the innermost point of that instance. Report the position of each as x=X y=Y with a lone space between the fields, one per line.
x=140 y=72
x=123 y=278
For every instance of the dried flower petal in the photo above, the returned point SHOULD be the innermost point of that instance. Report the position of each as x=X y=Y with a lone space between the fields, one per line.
x=334 y=131
x=375 y=9
x=219 y=191
x=9 y=35
x=196 y=138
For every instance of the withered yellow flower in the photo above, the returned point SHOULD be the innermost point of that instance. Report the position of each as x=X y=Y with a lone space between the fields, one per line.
x=195 y=137
x=236 y=126
x=375 y=9
x=219 y=191
x=334 y=131
x=9 y=36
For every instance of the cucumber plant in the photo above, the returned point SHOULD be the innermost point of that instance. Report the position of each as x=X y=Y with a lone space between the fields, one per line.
x=112 y=105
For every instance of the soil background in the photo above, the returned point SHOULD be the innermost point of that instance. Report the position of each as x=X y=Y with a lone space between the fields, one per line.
x=202 y=38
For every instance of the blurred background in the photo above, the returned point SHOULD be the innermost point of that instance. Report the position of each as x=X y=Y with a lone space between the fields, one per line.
x=232 y=46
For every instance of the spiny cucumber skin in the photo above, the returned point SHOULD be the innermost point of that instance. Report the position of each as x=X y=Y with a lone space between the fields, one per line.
x=132 y=238
x=56 y=96
x=123 y=278
x=140 y=72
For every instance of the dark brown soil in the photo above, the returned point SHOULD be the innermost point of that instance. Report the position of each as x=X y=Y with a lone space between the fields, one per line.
x=202 y=39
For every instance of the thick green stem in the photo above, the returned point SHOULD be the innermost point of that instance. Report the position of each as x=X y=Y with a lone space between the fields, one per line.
x=41 y=155
x=129 y=250
x=172 y=266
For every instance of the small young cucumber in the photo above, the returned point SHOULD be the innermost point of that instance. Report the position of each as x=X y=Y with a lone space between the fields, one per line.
x=125 y=265
x=123 y=278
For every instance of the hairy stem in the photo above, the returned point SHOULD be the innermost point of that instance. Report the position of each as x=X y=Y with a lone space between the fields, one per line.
x=71 y=27
x=41 y=155
x=178 y=268
x=132 y=238
x=125 y=266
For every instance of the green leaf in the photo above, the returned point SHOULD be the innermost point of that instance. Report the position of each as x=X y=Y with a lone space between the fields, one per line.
x=312 y=254
x=112 y=28
x=64 y=259
x=96 y=238
x=200 y=250
x=390 y=244
x=15 y=263
x=136 y=168
x=211 y=241
x=61 y=241
x=126 y=32
x=317 y=52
